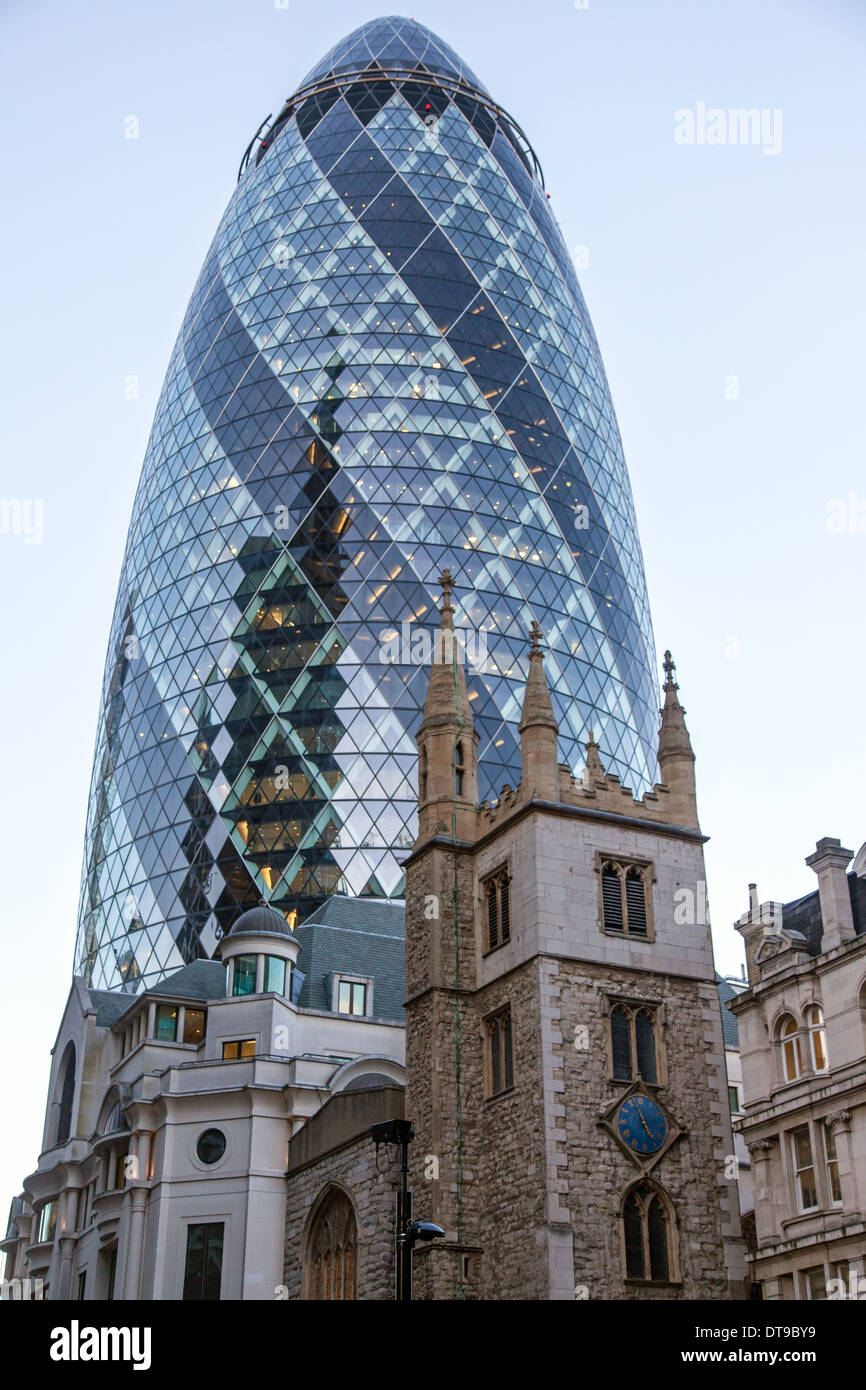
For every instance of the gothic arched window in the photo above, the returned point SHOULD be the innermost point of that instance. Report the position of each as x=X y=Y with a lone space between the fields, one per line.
x=620 y=1041
x=332 y=1243
x=459 y=769
x=645 y=1045
x=497 y=900
x=626 y=897
x=647 y=1230
x=633 y=1044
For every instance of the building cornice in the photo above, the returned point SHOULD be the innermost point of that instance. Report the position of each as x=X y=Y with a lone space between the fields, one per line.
x=769 y=1112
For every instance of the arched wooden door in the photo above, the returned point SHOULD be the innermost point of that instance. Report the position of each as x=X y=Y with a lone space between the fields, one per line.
x=332 y=1242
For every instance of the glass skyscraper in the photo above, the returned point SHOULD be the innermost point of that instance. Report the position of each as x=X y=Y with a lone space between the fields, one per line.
x=386 y=367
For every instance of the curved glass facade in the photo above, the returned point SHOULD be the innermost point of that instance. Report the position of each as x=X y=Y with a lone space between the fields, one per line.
x=386 y=367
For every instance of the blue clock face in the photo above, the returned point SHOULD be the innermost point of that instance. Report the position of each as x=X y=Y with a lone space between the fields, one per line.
x=641 y=1124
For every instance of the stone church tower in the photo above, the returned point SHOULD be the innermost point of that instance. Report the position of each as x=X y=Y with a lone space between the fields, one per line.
x=565 y=1057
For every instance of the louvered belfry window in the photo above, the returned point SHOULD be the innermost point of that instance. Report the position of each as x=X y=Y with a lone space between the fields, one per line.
x=497 y=899
x=625 y=889
x=492 y=915
x=611 y=891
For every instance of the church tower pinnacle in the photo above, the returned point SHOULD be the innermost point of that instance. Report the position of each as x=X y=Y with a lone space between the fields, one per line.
x=447 y=740
x=676 y=756
x=538 y=730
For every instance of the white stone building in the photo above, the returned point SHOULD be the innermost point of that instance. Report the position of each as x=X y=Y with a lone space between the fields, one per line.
x=163 y=1168
x=802 y=1027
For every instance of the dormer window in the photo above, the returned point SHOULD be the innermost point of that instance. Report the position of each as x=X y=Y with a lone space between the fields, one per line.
x=351 y=997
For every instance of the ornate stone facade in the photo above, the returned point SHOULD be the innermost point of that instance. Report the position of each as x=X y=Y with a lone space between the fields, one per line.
x=802 y=1025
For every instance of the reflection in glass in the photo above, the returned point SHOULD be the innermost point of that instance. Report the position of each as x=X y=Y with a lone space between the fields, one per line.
x=386 y=367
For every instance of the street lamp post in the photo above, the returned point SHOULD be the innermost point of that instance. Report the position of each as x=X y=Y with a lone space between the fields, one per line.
x=407 y=1231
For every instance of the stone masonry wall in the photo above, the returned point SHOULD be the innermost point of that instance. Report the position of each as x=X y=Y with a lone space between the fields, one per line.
x=599 y=1172
x=373 y=1194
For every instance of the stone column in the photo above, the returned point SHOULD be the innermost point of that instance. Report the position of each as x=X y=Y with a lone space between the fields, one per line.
x=138 y=1209
x=67 y=1219
x=260 y=973
x=760 y=1152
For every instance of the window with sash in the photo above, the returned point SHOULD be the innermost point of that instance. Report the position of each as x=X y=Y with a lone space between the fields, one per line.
x=831 y=1160
x=817 y=1038
x=804 y=1169
x=792 y=1054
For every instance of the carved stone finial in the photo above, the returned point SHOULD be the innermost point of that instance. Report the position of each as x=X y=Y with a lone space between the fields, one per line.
x=670 y=670
x=447 y=586
x=593 y=772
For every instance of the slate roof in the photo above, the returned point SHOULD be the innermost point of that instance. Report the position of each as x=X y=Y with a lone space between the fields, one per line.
x=355 y=936
x=109 y=1005
x=804 y=914
x=200 y=980
x=730 y=1031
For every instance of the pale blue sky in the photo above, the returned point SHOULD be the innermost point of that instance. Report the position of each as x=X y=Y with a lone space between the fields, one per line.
x=704 y=263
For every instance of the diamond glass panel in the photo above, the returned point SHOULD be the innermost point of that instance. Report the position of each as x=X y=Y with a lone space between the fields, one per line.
x=386 y=367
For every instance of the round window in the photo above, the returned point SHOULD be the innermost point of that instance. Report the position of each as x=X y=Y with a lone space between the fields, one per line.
x=211 y=1146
